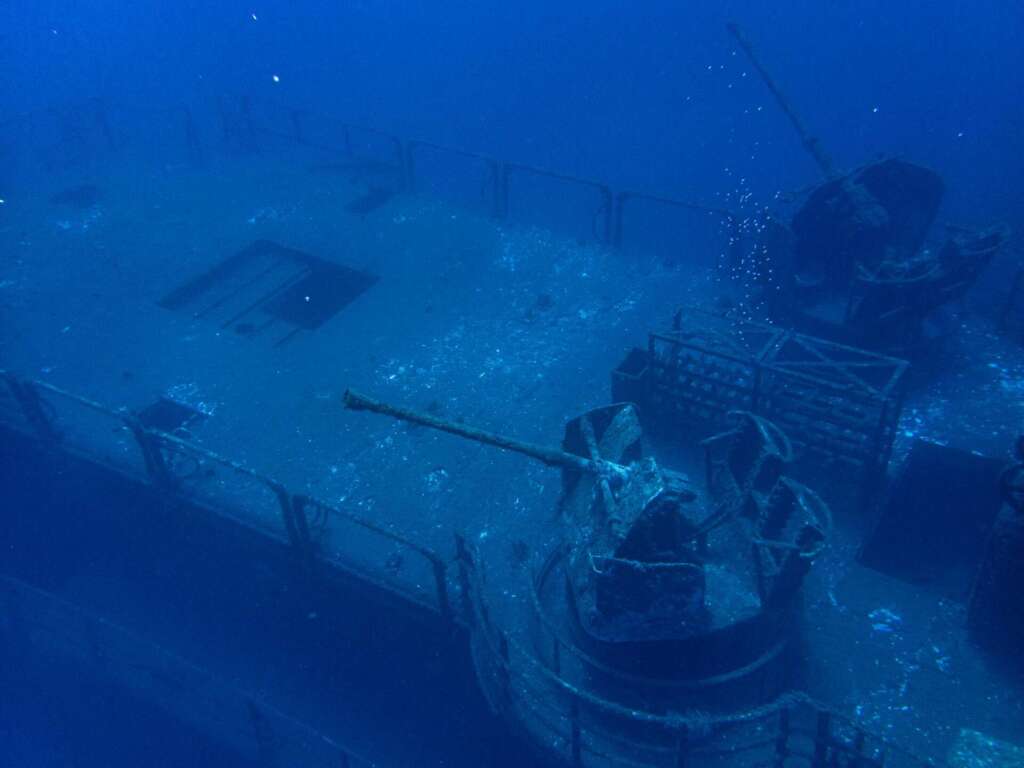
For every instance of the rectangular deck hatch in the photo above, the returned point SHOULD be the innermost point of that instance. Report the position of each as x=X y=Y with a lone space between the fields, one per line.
x=269 y=290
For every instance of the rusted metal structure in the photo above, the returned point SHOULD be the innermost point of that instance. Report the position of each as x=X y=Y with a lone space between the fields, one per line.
x=657 y=600
x=839 y=405
x=853 y=263
x=575 y=706
x=182 y=469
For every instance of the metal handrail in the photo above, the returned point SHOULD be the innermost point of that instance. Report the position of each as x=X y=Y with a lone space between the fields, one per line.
x=611 y=208
x=541 y=575
x=612 y=203
x=495 y=641
x=436 y=562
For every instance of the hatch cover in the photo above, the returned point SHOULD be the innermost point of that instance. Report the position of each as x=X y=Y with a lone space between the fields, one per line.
x=267 y=290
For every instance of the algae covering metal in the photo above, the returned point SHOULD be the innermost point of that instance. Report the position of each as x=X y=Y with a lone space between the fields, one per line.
x=653 y=578
x=838 y=405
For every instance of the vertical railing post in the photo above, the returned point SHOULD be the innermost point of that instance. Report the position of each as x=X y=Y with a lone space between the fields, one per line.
x=296 y=524
x=31 y=404
x=400 y=158
x=245 y=110
x=874 y=467
x=301 y=522
x=494 y=169
x=195 y=149
x=503 y=650
x=103 y=123
x=608 y=209
x=69 y=136
x=464 y=562
x=409 y=167
x=755 y=391
x=505 y=671
x=1005 y=315
x=297 y=134
x=620 y=203
x=441 y=587
x=152 y=456
x=264 y=736
x=503 y=192
x=225 y=119
x=858 y=748
x=735 y=241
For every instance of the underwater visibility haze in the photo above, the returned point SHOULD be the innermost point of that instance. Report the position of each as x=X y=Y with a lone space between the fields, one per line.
x=605 y=385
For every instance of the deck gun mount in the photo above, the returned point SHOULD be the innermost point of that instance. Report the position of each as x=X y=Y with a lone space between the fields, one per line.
x=855 y=263
x=656 y=572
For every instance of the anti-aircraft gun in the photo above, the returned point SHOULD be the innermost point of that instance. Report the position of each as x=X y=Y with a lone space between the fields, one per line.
x=661 y=578
x=852 y=263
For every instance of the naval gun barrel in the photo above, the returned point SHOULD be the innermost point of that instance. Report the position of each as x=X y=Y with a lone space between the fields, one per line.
x=810 y=143
x=553 y=457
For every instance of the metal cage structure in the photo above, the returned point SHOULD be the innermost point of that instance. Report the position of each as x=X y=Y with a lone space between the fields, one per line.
x=544 y=687
x=839 y=405
x=530 y=674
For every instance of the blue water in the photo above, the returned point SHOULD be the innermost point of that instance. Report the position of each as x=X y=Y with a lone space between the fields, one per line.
x=653 y=97
x=656 y=98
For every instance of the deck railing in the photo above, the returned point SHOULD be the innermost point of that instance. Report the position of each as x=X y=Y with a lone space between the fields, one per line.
x=538 y=684
x=587 y=209
x=179 y=467
x=555 y=705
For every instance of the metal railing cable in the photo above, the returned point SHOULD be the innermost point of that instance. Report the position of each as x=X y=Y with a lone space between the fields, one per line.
x=520 y=671
x=156 y=446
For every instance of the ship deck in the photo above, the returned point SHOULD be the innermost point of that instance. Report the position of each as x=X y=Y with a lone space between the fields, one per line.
x=511 y=328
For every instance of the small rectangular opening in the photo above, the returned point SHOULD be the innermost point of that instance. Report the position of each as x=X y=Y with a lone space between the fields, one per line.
x=267 y=285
